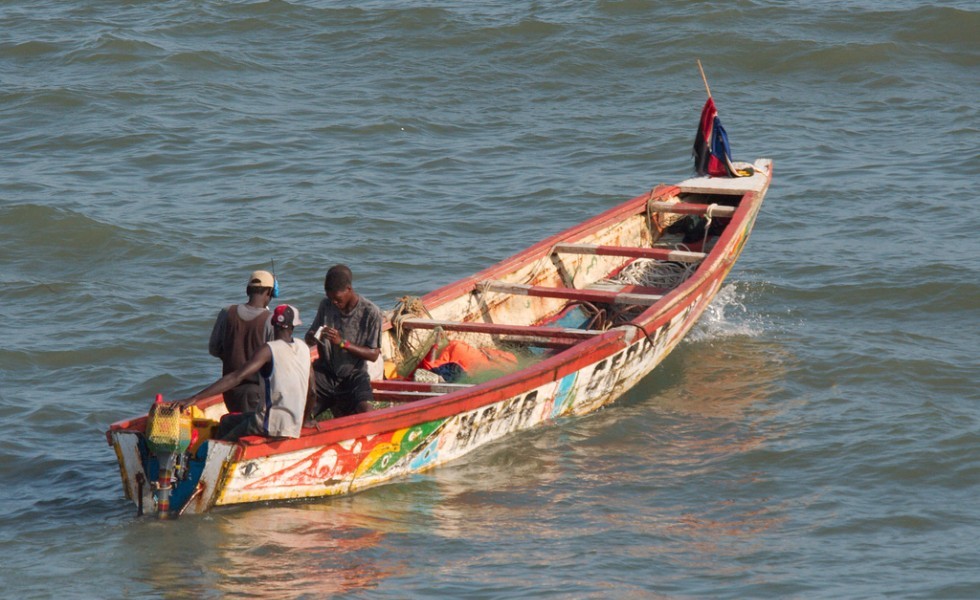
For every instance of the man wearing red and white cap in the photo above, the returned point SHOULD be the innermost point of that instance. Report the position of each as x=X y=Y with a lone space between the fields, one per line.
x=284 y=369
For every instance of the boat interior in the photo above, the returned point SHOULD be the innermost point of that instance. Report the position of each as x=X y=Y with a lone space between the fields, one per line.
x=571 y=287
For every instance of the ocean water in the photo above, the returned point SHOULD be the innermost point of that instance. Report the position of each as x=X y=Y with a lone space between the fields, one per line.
x=816 y=436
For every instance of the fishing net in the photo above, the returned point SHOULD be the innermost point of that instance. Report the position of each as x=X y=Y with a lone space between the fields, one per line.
x=413 y=346
x=415 y=353
x=658 y=222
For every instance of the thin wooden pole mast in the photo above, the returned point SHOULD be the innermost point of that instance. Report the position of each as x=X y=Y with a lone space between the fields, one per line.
x=703 y=78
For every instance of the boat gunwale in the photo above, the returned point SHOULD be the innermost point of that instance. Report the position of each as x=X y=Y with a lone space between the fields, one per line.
x=554 y=367
x=569 y=360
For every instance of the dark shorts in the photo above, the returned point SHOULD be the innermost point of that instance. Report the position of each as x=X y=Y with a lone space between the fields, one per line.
x=238 y=425
x=343 y=396
x=247 y=397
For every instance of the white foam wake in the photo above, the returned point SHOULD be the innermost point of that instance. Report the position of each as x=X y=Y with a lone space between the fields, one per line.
x=725 y=317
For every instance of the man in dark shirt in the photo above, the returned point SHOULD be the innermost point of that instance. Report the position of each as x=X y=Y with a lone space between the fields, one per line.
x=347 y=331
x=238 y=333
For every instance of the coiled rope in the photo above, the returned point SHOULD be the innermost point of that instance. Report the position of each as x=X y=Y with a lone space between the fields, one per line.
x=648 y=272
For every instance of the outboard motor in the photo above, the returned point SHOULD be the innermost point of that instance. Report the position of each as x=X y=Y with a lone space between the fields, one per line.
x=169 y=433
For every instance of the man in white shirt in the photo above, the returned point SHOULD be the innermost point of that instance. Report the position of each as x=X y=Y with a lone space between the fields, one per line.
x=284 y=369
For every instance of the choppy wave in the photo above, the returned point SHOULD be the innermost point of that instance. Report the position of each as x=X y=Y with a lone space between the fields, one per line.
x=154 y=153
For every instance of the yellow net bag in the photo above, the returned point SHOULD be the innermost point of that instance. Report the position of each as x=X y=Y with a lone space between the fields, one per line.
x=168 y=429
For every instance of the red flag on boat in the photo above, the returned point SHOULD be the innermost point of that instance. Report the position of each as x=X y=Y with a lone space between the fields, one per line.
x=712 y=154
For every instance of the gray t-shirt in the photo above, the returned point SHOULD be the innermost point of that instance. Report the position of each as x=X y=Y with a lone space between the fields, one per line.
x=361 y=326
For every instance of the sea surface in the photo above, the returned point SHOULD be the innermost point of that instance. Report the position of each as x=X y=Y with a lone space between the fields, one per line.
x=816 y=436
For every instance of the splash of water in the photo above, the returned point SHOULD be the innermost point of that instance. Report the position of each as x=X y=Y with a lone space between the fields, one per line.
x=726 y=317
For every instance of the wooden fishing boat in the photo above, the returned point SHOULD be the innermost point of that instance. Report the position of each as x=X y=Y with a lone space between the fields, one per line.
x=567 y=326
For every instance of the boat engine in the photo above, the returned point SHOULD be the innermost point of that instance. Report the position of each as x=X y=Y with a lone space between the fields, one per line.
x=169 y=433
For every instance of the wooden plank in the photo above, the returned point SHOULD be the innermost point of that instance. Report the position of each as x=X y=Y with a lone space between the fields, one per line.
x=690 y=208
x=402 y=396
x=733 y=186
x=538 y=342
x=500 y=328
x=599 y=296
x=632 y=252
x=404 y=385
x=402 y=390
x=612 y=286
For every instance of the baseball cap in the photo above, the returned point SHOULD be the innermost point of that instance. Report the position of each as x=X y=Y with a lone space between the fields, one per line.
x=261 y=279
x=286 y=316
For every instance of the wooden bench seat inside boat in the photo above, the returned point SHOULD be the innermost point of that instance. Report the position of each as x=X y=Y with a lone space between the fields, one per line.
x=405 y=385
x=500 y=328
x=586 y=295
x=632 y=252
x=403 y=390
x=399 y=396
x=612 y=286
x=692 y=208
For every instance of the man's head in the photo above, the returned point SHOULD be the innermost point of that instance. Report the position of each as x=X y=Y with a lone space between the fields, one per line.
x=338 y=285
x=285 y=317
x=261 y=282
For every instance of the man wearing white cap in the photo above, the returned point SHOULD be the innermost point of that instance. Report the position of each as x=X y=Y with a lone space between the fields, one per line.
x=238 y=333
x=284 y=367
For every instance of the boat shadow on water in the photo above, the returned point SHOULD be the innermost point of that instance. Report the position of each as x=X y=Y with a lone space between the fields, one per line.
x=262 y=551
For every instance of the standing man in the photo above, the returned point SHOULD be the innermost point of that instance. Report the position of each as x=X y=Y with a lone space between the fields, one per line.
x=284 y=367
x=347 y=329
x=238 y=333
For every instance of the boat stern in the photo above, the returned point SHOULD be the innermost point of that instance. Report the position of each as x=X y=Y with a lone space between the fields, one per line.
x=168 y=482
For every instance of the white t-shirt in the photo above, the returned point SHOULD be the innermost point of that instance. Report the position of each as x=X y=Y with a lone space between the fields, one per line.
x=284 y=389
